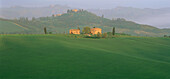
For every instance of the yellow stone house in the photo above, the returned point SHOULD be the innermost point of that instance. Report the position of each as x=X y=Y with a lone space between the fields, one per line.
x=74 y=31
x=96 y=31
x=75 y=10
x=92 y=31
x=58 y=14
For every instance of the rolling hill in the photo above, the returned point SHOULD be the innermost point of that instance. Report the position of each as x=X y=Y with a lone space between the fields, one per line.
x=63 y=23
x=155 y=17
x=11 y=27
x=70 y=20
x=61 y=57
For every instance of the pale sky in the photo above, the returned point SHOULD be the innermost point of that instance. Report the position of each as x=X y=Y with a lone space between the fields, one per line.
x=89 y=3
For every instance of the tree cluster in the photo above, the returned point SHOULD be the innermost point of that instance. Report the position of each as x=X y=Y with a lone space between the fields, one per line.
x=166 y=36
x=71 y=11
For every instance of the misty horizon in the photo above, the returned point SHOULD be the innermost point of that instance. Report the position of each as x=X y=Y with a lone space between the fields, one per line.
x=87 y=4
x=78 y=7
x=159 y=20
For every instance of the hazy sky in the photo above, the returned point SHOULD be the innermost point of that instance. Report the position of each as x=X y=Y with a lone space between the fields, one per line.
x=89 y=3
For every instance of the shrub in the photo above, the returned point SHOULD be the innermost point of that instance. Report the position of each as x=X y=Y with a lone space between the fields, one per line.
x=99 y=35
x=50 y=33
x=104 y=35
x=86 y=30
x=165 y=36
x=109 y=34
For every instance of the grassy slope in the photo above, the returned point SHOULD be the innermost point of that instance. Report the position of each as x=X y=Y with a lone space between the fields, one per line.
x=51 y=56
x=72 y=20
x=61 y=24
x=7 y=26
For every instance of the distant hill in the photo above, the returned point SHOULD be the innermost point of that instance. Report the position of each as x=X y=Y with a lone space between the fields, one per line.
x=155 y=17
x=18 y=11
x=61 y=24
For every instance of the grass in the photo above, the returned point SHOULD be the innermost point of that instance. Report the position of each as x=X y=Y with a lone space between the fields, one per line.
x=7 y=27
x=61 y=57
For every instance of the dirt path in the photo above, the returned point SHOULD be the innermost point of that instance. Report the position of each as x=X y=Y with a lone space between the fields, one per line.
x=21 y=26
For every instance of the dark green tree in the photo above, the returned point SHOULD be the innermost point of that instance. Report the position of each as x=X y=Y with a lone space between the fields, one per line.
x=104 y=35
x=99 y=35
x=50 y=32
x=86 y=30
x=113 y=31
x=109 y=34
x=45 y=30
x=68 y=11
x=165 y=36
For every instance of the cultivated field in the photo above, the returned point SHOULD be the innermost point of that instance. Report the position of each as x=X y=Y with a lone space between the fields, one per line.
x=7 y=27
x=63 y=57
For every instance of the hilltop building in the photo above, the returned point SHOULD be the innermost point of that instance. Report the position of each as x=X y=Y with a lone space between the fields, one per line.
x=75 y=10
x=74 y=31
x=96 y=31
x=58 y=14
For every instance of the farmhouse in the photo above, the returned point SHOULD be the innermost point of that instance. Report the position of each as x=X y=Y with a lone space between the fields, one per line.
x=75 y=10
x=92 y=31
x=74 y=31
x=58 y=14
x=96 y=31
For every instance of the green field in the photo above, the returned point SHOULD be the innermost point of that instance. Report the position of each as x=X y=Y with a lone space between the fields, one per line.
x=7 y=27
x=62 y=57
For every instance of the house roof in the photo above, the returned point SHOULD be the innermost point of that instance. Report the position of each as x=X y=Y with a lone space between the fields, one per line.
x=96 y=29
x=75 y=10
x=74 y=30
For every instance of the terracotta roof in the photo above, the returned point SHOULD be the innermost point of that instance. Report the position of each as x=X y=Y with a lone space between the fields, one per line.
x=75 y=10
x=74 y=29
x=96 y=29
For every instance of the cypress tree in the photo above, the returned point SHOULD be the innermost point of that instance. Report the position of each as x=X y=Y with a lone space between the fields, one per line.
x=45 y=30
x=113 y=32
